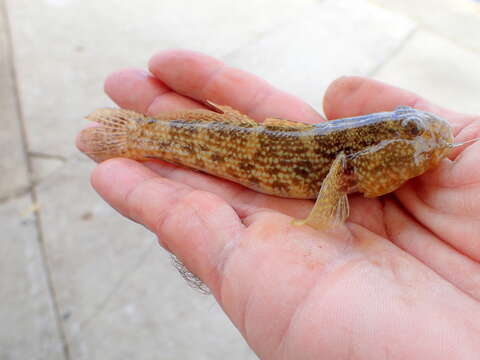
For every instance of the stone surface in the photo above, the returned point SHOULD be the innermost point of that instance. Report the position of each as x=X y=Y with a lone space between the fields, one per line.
x=119 y=295
x=81 y=42
x=457 y=20
x=332 y=38
x=437 y=69
x=13 y=169
x=28 y=328
x=44 y=167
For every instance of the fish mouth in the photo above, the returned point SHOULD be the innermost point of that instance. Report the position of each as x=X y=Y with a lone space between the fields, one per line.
x=438 y=138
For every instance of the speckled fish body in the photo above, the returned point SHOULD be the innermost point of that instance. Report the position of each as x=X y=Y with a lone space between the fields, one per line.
x=373 y=154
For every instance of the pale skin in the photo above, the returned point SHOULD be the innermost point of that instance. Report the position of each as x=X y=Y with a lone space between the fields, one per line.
x=400 y=280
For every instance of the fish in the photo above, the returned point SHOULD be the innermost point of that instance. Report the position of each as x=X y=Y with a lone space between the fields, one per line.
x=372 y=154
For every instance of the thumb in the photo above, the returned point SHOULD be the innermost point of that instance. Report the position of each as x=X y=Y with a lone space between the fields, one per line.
x=354 y=95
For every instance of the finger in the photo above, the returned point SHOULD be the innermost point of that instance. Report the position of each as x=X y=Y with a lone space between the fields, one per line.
x=461 y=174
x=416 y=240
x=195 y=225
x=246 y=202
x=460 y=231
x=351 y=96
x=140 y=91
x=202 y=77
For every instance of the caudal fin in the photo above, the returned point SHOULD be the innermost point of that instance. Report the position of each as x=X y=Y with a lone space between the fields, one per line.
x=109 y=139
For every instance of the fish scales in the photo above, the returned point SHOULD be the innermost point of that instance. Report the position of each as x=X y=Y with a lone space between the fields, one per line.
x=373 y=154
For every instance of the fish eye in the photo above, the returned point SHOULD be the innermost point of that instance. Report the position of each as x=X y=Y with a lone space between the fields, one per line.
x=413 y=125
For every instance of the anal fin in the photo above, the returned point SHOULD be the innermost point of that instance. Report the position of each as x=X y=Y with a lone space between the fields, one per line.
x=331 y=207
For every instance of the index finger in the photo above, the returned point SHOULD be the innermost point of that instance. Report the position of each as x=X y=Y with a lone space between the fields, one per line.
x=202 y=77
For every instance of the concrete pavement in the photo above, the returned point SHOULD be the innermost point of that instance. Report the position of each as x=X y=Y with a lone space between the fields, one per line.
x=77 y=280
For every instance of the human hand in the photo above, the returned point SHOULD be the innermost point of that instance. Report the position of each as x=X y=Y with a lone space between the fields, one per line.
x=400 y=280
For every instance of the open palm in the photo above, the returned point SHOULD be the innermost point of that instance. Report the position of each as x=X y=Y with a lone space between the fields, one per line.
x=400 y=280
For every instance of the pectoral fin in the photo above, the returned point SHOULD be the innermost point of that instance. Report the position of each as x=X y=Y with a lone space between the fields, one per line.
x=331 y=207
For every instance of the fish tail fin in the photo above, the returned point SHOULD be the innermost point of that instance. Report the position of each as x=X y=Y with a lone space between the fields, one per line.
x=110 y=138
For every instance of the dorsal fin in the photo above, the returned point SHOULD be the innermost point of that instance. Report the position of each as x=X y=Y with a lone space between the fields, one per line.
x=287 y=124
x=231 y=115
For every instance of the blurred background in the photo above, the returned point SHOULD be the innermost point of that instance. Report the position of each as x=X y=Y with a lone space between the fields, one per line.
x=77 y=281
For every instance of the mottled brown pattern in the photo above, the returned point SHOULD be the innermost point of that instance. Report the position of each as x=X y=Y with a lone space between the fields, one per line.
x=279 y=157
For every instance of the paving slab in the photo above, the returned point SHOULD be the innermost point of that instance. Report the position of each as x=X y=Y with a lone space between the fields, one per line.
x=64 y=49
x=119 y=295
x=457 y=20
x=333 y=38
x=44 y=166
x=28 y=327
x=13 y=169
x=439 y=70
